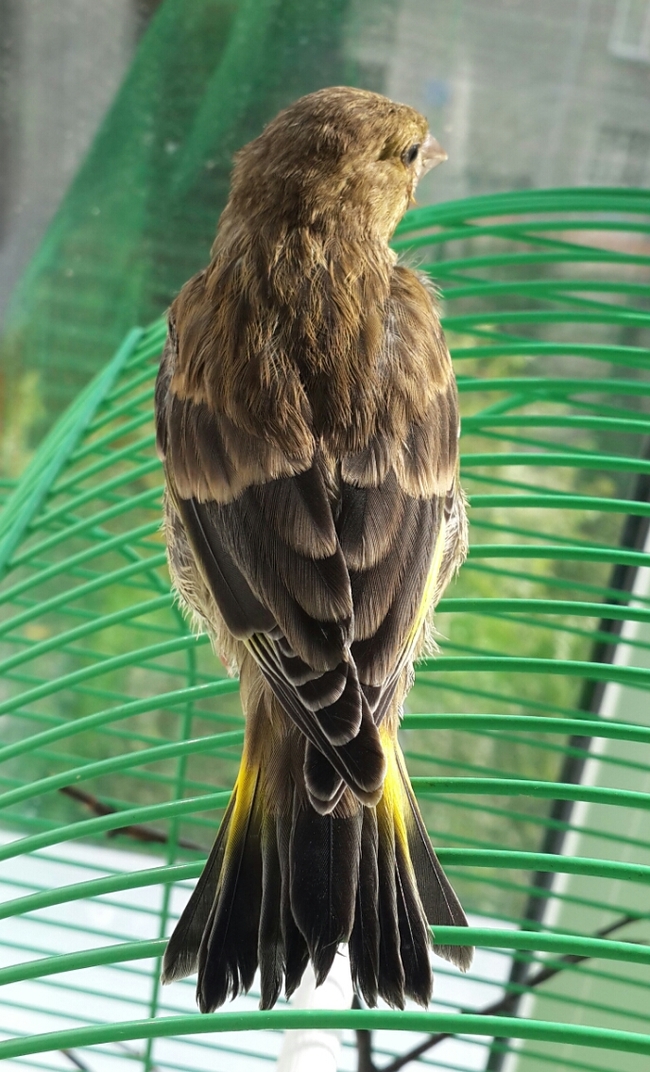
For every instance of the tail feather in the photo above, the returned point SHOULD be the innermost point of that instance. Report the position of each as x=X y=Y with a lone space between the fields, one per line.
x=285 y=884
x=295 y=947
x=414 y=937
x=391 y=969
x=271 y=952
x=364 y=940
x=440 y=903
x=228 y=952
x=324 y=854
x=182 y=953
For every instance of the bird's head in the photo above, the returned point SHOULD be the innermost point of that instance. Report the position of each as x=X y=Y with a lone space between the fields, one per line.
x=338 y=158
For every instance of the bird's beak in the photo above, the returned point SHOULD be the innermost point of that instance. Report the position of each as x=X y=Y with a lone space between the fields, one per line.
x=432 y=153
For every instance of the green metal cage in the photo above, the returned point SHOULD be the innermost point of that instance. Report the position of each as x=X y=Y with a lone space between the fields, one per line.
x=527 y=738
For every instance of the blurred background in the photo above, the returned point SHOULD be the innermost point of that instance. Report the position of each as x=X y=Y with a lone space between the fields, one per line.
x=118 y=122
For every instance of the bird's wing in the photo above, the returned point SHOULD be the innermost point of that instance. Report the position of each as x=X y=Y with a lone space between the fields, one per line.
x=270 y=555
x=324 y=568
x=401 y=544
x=402 y=519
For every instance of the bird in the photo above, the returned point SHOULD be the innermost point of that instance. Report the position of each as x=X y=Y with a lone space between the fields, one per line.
x=307 y=420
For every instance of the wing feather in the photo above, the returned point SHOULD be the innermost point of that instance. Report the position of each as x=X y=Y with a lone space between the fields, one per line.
x=325 y=566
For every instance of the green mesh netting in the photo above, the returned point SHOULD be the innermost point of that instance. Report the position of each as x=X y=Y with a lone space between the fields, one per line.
x=140 y=216
x=527 y=738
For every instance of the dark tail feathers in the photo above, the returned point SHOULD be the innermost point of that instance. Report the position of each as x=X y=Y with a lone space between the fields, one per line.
x=279 y=891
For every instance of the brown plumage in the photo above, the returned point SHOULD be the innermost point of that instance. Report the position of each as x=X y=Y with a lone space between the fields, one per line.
x=307 y=419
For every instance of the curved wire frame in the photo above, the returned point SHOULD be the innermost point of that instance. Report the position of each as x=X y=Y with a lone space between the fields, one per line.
x=527 y=737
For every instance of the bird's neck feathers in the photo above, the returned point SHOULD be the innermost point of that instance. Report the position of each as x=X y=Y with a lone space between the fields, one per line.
x=287 y=332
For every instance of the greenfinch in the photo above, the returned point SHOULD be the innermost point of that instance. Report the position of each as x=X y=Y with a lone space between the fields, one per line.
x=307 y=419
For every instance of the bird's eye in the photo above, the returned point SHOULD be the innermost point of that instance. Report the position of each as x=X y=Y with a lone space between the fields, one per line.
x=410 y=154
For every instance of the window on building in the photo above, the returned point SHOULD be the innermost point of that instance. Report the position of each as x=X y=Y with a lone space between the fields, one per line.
x=630 y=35
x=620 y=158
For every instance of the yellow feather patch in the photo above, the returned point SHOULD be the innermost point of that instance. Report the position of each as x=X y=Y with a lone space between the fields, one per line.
x=393 y=802
x=244 y=794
